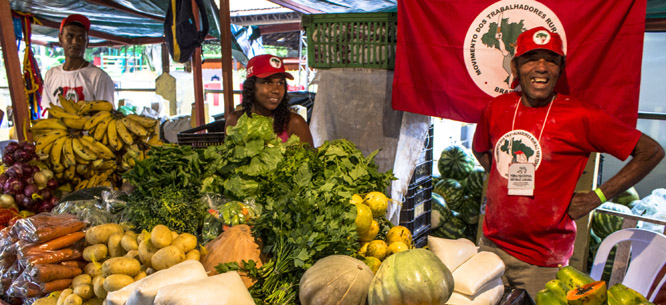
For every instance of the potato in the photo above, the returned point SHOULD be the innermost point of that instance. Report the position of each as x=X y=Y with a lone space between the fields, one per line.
x=167 y=257
x=174 y=235
x=143 y=236
x=146 y=251
x=121 y=265
x=131 y=233
x=133 y=254
x=160 y=236
x=63 y=295
x=93 y=269
x=73 y=299
x=85 y=291
x=100 y=234
x=114 y=245
x=98 y=287
x=116 y=281
x=193 y=255
x=82 y=279
x=140 y=275
x=128 y=242
x=185 y=242
x=95 y=252
x=94 y=301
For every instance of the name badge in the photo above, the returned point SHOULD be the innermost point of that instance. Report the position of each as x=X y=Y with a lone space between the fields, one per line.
x=521 y=179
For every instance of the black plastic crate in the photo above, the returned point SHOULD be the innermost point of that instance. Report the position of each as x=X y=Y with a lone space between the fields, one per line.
x=417 y=225
x=422 y=172
x=421 y=240
x=420 y=208
x=423 y=169
x=214 y=135
x=417 y=193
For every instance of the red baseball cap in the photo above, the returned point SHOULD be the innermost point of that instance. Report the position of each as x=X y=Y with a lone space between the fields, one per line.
x=76 y=18
x=538 y=38
x=263 y=66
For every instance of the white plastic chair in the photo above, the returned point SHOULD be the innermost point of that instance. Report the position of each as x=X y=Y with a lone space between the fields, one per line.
x=648 y=257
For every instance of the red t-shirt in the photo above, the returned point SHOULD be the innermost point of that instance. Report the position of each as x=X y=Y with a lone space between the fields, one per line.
x=537 y=229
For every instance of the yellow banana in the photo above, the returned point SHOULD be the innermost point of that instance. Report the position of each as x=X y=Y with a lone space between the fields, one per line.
x=69 y=106
x=106 y=165
x=70 y=172
x=75 y=123
x=96 y=119
x=81 y=161
x=142 y=120
x=57 y=112
x=123 y=134
x=48 y=138
x=68 y=153
x=57 y=167
x=112 y=134
x=100 y=129
x=97 y=147
x=134 y=127
x=43 y=150
x=91 y=106
x=56 y=151
x=48 y=124
x=81 y=169
x=81 y=151
x=81 y=185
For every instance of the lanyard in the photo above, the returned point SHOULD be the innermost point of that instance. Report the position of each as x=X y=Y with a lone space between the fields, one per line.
x=544 y=120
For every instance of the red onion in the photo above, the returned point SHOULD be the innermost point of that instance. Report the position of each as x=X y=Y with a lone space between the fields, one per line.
x=14 y=186
x=30 y=189
x=11 y=147
x=46 y=194
x=15 y=171
x=52 y=184
x=8 y=159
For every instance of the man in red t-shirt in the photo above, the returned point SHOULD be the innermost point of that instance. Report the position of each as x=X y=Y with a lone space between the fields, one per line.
x=535 y=144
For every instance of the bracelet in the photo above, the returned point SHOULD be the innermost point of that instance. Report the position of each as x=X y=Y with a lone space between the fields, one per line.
x=601 y=195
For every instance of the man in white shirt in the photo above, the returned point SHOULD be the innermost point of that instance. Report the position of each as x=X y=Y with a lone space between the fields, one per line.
x=76 y=79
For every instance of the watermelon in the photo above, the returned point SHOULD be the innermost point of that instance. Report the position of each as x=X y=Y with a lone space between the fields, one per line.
x=455 y=162
x=453 y=229
x=473 y=184
x=452 y=192
x=470 y=210
x=440 y=212
x=626 y=197
x=605 y=224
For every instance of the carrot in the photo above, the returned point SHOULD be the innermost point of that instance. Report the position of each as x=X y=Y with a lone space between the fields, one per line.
x=48 y=287
x=78 y=264
x=54 y=231
x=50 y=272
x=50 y=257
x=59 y=242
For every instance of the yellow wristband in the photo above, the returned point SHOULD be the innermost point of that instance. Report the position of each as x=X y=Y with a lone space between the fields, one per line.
x=601 y=195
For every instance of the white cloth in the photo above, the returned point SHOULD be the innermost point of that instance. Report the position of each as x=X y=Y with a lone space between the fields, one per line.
x=222 y=289
x=88 y=83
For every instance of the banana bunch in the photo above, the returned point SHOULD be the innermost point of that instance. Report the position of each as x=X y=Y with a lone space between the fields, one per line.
x=87 y=143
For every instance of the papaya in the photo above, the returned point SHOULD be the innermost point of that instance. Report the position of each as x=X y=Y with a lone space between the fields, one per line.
x=622 y=295
x=590 y=294
x=547 y=297
x=572 y=277
x=558 y=288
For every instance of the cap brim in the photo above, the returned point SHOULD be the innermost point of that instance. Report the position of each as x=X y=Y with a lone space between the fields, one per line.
x=269 y=74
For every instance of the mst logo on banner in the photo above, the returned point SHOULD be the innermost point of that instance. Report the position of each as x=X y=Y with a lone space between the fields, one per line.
x=490 y=41
x=454 y=56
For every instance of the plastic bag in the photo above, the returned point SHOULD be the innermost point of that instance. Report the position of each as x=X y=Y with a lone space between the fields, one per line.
x=222 y=289
x=652 y=206
x=46 y=226
x=144 y=293
x=223 y=213
x=96 y=205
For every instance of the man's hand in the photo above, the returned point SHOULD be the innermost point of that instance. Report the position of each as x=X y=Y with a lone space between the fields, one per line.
x=582 y=203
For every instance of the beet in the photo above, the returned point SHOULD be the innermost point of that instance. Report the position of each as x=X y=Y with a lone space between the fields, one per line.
x=8 y=159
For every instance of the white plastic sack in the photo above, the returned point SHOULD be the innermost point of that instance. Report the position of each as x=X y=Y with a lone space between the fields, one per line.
x=119 y=297
x=653 y=206
x=489 y=295
x=222 y=289
x=452 y=252
x=476 y=272
x=145 y=291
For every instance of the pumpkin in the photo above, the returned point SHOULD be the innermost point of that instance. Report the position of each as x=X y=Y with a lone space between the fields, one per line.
x=590 y=294
x=415 y=276
x=335 y=279
x=237 y=244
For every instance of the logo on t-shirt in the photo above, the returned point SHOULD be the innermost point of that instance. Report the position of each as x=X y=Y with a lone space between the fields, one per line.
x=71 y=93
x=516 y=146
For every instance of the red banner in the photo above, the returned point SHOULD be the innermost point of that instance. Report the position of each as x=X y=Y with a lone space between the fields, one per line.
x=453 y=56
